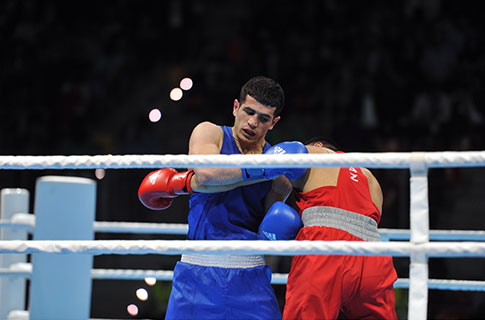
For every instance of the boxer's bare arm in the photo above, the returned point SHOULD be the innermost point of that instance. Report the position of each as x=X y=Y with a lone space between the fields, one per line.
x=198 y=187
x=375 y=188
x=207 y=138
x=280 y=191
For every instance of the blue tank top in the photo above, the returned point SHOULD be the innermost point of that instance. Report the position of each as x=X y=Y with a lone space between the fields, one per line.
x=230 y=215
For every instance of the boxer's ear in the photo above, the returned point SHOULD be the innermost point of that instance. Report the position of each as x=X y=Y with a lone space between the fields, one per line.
x=235 y=106
x=275 y=120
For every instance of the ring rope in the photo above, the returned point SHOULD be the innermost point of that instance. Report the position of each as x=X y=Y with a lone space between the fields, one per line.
x=141 y=227
x=435 y=235
x=372 y=160
x=442 y=284
x=244 y=247
x=25 y=270
x=26 y=221
x=19 y=221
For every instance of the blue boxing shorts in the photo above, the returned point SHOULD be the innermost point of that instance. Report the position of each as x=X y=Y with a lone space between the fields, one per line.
x=222 y=287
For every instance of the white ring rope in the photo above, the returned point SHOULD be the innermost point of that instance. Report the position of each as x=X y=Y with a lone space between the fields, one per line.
x=243 y=247
x=25 y=270
x=141 y=227
x=19 y=221
x=20 y=269
x=278 y=278
x=126 y=274
x=26 y=221
x=370 y=160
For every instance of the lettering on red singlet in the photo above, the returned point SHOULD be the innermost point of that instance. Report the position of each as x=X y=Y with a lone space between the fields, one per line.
x=353 y=174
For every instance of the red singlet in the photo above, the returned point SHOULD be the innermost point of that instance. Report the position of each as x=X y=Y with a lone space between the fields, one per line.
x=319 y=286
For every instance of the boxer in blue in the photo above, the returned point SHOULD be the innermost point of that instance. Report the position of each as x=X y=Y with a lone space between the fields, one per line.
x=227 y=204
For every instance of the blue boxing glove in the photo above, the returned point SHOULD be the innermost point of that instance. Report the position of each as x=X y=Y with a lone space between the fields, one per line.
x=281 y=222
x=270 y=173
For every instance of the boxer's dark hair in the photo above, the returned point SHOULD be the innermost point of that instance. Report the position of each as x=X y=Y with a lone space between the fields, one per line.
x=325 y=142
x=266 y=91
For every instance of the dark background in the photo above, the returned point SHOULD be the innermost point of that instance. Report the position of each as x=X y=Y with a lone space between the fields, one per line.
x=79 y=77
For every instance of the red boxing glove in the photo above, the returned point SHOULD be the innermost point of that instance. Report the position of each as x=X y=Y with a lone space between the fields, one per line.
x=159 y=187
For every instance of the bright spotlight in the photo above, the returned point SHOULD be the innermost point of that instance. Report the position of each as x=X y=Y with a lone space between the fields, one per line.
x=132 y=309
x=186 y=83
x=150 y=281
x=155 y=115
x=176 y=94
x=142 y=294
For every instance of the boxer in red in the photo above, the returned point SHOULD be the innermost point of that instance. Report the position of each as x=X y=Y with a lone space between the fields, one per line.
x=339 y=204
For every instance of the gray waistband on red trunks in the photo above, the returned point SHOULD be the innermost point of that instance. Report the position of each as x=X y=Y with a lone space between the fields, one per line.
x=356 y=224
x=223 y=261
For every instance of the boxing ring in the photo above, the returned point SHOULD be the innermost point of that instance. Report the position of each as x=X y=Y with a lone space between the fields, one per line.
x=418 y=243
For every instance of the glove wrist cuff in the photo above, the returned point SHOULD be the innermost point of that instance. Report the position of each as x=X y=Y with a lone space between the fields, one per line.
x=253 y=173
x=180 y=183
x=188 y=187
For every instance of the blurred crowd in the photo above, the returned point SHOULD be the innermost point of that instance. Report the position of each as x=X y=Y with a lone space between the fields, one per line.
x=79 y=77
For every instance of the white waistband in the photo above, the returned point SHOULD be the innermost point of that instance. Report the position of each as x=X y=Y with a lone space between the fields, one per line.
x=223 y=261
x=361 y=226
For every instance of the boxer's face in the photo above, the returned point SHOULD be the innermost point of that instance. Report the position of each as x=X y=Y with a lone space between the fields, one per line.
x=253 y=120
